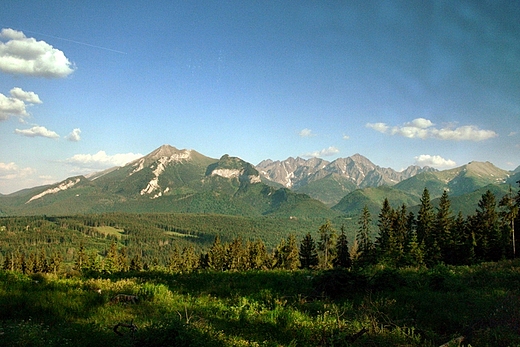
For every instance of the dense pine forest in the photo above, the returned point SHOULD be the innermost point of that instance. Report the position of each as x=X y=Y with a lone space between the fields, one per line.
x=186 y=242
x=398 y=278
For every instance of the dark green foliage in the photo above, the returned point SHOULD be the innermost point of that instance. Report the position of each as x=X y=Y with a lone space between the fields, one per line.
x=340 y=283
x=326 y=245
x=342 y=259
x=308 y=253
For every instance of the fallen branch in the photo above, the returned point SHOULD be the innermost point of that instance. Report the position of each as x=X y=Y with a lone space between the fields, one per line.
x=456 y=340
x=131 y=326
x=357 y=335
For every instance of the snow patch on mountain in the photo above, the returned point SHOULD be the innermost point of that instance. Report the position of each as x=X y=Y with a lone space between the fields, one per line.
x=226 y=173
x=162 y=163
x=61 y=187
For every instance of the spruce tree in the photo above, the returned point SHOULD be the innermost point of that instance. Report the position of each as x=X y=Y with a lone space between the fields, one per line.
x=365 y=246
x=425 y=224
x=487 y=229
x=342 y=259
x=442 y=236
x=308 y=254
x=384 y=224
x=508 y=216
x=217 y=255
x=326 y=245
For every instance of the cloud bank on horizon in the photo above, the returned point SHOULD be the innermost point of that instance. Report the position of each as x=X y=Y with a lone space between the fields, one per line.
x=424 y=128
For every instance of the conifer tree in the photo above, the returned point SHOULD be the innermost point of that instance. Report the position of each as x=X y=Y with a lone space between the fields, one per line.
x=308 y=254
x=398 y=236
x=286 y=254
x=55 y=262
x=111 y=263
x=235 y=259
x=384 y=224
x=365 y=246
x=81 y=258
x=487 y=229
x=122 y=260
x=136 y=263
x=508 y=216
x=190 y=260
x=443 y=224
x=257 y=255
x=342 y=259
x=425 y=227
x=326 y=245
x=217 y=255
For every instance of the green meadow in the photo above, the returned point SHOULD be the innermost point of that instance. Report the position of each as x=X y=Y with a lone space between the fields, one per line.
x=375 y=306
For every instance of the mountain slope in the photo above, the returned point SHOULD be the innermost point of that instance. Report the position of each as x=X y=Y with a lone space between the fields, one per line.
x=457 y=181
x=329 y=182
x=168 y=180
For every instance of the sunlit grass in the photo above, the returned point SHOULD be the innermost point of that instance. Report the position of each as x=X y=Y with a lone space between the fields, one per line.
x=410 y=307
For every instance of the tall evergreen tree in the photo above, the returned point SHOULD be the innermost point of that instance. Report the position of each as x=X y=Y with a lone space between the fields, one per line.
x=384 y=224
x=443 y=224
x=508 y=215
x=81 y=258
x=217 y=255
x=308 y=254
x=487 y=229
x=365 y=246
x=425 y=225
x=286 y=254
x=236 y=256
x=257 y=255
x=342 y=259
x=326 y=245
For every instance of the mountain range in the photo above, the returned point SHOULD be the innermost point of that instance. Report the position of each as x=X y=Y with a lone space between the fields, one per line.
x=173 y=180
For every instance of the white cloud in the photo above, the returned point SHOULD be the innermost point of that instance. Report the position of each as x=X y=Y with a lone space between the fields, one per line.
x=423 y=128
x=435 y=161
x=29 y=97
x=74 y=136
x=10 y=171
x=346 y=137
x=16 y=104
x=512 y=133
x=24 y=55
x=323 y=153
x=101 y=160
x=306 y=133
x=381 y=127
x=37 y=131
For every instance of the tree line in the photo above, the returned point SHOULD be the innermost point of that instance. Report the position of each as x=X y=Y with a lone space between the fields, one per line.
x=398 y=238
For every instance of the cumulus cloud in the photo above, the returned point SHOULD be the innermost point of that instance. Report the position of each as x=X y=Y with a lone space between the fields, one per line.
x=26 y=56
x=16 y=104
x=346 y=137
x=422 y=128
x=37 y=131
x=323 y=153
x=29 y=97
x=10 y=171
x=101 y=160
x=306 y=133
x=74 y=136
x=435 y=161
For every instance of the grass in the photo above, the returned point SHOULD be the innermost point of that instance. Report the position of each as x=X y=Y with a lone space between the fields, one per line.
x=410 y=307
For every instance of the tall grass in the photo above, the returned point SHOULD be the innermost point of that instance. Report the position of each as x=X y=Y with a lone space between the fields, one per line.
x=376 y=307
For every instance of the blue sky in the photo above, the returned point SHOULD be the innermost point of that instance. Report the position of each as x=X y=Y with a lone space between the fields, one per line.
x=93 y=84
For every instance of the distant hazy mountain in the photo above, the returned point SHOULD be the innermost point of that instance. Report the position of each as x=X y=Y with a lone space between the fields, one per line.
x=331 y=181
x=167 y=180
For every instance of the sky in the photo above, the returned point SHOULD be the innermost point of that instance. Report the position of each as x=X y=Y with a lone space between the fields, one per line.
x=89 y=85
